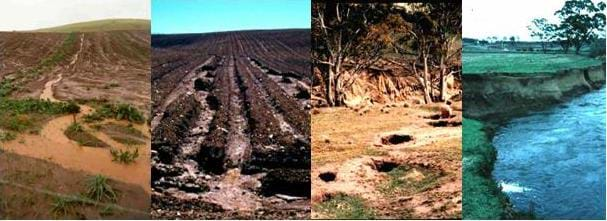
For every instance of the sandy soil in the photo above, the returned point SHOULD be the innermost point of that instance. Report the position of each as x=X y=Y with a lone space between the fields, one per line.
x=349 y=146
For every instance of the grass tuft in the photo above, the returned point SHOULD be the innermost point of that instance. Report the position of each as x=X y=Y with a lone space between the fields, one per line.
x=99 y=189
x=125 y=157
x=342 y=206
x=61 y=206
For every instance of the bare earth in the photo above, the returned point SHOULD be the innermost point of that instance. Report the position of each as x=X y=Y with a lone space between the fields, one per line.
x=349 y=146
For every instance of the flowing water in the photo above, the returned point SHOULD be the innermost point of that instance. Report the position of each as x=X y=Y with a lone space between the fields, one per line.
x=553 y=162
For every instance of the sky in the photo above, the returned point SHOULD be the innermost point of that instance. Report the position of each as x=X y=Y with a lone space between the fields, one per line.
x=201 y=16
x=22 y=15
x=483 y=18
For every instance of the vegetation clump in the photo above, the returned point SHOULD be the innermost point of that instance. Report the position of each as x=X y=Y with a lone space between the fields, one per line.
x=99 y=189
x=124 y=156
x=28 y=114
x=116 y=111
x=62 y=206
x=342 y=206
x=406 y=179
x=76 y=132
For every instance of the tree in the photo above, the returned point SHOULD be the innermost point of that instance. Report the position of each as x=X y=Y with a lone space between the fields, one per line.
x=72 y=108
x=346 y=32
x=542 y=30
x=435 y=27
x=580 y=22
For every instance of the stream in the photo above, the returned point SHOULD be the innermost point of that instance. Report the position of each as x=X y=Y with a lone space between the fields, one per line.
x=553 y=162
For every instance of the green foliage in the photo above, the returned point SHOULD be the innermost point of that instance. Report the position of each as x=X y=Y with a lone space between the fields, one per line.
x=28 y=114
x=116 y=111
x=399 y=184
x=125 y=156
x=581 y=21
x=6 y=87
x=342 y=206
x=99 y=189
x=521 y=63
x=34 y=106
x=7 y=136
x=75 y=128
x=61 y=206
x=72 y=108
x=482 y=197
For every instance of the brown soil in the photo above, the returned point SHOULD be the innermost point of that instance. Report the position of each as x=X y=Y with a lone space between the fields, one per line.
x=353 y=154
x=87 y=69
x=229 y=140
x=28 y=186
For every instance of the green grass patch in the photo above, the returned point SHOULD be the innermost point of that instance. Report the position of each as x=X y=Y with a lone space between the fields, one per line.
x=99 y=189
x=115 y=111
x=29 y=115
x=125 y=157
x=76 y=132
x=523 y=63
x=482 y=197
x=406 y=180
x=342 y=206
x=7 y=86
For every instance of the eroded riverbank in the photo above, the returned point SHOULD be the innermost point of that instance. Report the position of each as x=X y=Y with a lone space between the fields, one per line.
x=491 y=101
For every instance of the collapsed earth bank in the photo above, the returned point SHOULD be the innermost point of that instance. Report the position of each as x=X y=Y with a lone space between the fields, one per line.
x=492 y=99
x=500 y=96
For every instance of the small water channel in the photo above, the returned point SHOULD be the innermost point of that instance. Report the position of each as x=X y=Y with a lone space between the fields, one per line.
x=553 y=162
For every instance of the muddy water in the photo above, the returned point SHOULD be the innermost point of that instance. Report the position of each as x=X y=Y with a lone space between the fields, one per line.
x=52 y=145
x=47 y=93
x=553 y=162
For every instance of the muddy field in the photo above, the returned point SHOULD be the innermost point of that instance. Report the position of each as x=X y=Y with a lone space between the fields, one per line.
x=49 y=156
x=92 y=66
x=394 y=161
x=230 y=125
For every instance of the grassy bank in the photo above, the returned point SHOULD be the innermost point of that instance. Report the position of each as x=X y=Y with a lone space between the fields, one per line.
x=482 y=198
x=29 y=115
x=523 y=63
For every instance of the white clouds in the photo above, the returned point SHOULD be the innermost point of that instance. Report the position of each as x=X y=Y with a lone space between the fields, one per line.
x=484 y=18
x=34 y=14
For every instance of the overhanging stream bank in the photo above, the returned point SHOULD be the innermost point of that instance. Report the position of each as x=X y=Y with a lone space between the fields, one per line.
x=493 y=99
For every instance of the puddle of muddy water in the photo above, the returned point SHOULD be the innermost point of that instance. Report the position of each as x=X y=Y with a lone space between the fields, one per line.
x=553 y=162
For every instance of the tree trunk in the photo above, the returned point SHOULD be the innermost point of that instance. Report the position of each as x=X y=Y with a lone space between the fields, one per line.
x=442 y=85
x=330 y=89
x=427 y=83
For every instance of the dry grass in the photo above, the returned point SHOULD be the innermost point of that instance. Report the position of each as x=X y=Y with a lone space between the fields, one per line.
x=339 y=134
